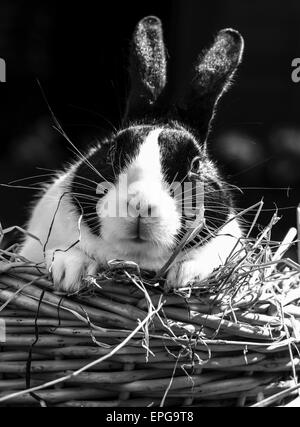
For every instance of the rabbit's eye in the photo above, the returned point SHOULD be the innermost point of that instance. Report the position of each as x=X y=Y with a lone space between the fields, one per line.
x=195 y=166
x=172 y=193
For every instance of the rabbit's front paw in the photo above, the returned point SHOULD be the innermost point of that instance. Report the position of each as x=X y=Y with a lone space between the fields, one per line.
x=69 y=268
x=184 y=273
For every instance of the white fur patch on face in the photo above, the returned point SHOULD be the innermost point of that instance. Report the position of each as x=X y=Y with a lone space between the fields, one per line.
x=148 y=159
x=144 y=179
x=146 y=234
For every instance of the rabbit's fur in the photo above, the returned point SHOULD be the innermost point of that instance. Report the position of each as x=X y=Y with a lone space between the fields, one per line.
x=136 y=167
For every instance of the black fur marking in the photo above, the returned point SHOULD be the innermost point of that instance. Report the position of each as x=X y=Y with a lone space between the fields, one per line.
x=218 y=206
x=212 y=77
x=148 y=69
x=178 y=148
x=178 y=151
x=126 y=145
x=109 y=159
x=85 y=184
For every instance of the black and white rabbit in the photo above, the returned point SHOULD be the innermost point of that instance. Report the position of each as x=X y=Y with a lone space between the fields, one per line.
x=158 y=145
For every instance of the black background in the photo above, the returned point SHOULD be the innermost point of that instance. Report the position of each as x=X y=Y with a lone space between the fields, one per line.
x=78 y=52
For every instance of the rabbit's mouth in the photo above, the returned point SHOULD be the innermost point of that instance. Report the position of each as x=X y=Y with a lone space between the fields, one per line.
x=138 y=240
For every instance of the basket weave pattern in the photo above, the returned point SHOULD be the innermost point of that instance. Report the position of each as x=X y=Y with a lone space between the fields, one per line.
x=125 y=343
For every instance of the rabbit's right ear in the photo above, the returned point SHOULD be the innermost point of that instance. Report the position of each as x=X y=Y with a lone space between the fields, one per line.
x=212 y=77
x=148 y=68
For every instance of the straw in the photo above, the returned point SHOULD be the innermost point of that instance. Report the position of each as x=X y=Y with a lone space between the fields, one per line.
x=230 y=340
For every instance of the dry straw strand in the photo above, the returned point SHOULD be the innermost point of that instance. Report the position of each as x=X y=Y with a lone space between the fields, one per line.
x=230 y=340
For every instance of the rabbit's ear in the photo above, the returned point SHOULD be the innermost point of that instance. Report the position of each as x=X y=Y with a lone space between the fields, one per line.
x=147 y=68
x=212 y=76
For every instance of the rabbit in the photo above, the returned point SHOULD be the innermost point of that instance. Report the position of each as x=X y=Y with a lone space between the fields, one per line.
x=159 y=143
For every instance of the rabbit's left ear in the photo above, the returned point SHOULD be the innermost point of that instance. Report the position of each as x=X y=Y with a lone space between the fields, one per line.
x=212 y=77
x=148 y=68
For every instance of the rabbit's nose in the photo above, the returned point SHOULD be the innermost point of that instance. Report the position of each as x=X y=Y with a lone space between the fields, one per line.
x=148 y=211
x=141 y=209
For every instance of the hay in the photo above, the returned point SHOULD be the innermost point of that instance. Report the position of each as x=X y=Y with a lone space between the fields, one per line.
x=232 y=340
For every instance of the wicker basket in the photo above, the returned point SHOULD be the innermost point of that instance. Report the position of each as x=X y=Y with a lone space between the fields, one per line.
x=125 y=343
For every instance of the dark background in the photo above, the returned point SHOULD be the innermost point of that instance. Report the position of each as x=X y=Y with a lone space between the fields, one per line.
x=78 y=52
